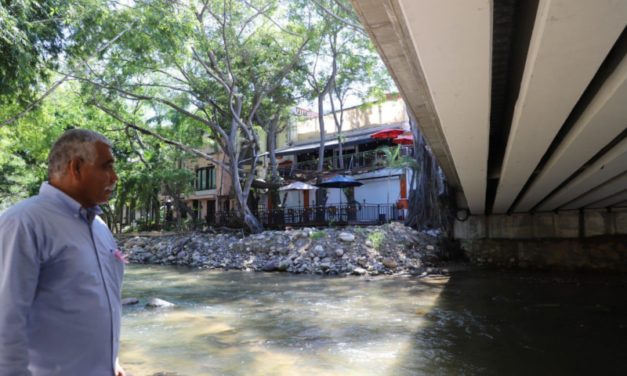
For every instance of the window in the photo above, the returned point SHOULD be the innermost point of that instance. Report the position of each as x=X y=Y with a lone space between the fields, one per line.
x=205 y=178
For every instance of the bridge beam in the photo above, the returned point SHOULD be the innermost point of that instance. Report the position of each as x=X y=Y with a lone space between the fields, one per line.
x=570 y=40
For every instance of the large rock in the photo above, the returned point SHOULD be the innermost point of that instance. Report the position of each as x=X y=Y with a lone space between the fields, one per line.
x=130 y=301
x=159 y=303
x=319 y=251
x=346 y=237
x=389 y=263
x=276 y=265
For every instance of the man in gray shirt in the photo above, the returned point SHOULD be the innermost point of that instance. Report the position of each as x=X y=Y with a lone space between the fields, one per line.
x=60 y=269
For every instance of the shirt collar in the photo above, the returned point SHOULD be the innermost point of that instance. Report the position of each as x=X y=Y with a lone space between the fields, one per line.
x=68 y=203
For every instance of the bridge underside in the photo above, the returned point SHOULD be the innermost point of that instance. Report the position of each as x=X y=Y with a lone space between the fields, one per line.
x=524 y=103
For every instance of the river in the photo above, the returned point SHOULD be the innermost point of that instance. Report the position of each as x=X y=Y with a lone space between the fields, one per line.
x=468 y=323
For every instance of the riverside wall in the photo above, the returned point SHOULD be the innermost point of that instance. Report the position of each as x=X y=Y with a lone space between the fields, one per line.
x=572 y=240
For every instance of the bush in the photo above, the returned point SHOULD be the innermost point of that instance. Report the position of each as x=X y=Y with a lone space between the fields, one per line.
x=317 y=235
x=376 y=238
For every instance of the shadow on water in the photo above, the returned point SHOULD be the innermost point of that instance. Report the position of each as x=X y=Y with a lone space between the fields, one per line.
x=521 y=323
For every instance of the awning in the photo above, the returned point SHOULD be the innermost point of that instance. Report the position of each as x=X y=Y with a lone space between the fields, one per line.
x=388 y=133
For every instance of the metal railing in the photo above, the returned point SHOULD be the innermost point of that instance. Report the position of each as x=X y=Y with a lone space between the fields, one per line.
x=370 y=158
x=298 y=216
x=331 y=214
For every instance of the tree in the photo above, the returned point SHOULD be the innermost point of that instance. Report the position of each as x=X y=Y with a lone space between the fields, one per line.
x=31 y=41
x=24 y=144
x=428 y=206
x=344 y=63
x=213 y=63
x=33 y=37
x=361 y=75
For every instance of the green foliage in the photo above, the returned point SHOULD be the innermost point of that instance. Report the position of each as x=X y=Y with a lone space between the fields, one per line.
x=32 y=41
x=394 y=159
x=315 y=235
x=24 y=145
x=376 y=238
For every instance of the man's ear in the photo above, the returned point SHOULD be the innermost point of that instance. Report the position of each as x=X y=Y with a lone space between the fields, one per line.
x=74 y=167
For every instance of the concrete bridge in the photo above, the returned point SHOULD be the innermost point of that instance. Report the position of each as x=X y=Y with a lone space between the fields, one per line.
x=523 y=102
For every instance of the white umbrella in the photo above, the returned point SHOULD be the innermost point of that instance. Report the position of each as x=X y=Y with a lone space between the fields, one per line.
x=298 y=186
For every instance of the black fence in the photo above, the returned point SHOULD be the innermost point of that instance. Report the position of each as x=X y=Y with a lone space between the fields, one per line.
x=329 y=215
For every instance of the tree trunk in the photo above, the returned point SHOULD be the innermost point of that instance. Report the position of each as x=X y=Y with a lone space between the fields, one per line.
x=425 y=207
x=322 y=135
x=251 y=221
x=241 y=197
x=118 y=212
x=340 y=150
x=274 y=169
x=157 y=211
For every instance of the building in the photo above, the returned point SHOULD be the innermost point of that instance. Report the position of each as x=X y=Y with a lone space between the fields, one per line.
x=381 y=197
x=383 y=192
x=212 y=187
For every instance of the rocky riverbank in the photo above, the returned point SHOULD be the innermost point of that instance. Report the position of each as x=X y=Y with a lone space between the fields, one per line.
x=387 y=249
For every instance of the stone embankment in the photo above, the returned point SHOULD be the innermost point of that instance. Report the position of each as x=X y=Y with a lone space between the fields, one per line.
x=387 y=249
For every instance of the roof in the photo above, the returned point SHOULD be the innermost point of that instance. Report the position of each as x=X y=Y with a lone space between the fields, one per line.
x=361 y=136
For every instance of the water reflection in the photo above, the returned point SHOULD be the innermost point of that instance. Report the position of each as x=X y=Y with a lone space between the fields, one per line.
x=234 y=323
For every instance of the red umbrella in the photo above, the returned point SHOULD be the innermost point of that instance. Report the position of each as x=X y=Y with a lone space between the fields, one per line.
x=404 y=140
x=386 y=133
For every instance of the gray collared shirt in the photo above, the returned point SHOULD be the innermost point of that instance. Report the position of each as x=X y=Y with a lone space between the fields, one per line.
x=60 y=283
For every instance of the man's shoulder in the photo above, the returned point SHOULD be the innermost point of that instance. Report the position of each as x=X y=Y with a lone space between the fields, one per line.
x=35 y=209
x=100 y=225
x=22 y=210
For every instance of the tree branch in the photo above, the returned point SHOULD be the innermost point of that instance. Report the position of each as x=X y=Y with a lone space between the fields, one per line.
x=62 y=80
x=177 y=144
x=130 y=95
x=269 y=19
x=251 y=18
x=35 y=103
x=337 y=17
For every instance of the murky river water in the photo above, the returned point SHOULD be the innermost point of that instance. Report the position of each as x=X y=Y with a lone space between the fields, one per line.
x=471 y=323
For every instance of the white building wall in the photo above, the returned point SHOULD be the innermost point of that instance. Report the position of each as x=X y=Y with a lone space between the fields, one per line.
x=379 y=191
x=381 y=186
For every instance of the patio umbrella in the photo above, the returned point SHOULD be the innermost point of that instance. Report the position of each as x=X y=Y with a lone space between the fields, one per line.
x=340 y=181
x=404 y=140
x=386 y=133
x=298 y=186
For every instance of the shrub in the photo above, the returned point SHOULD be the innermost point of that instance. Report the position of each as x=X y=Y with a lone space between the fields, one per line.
x=376 y=238
x=317 y=235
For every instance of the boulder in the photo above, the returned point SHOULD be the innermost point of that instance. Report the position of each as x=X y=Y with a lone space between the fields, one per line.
x=346 y=237
x=270 y=266
x=389 y=263
x=319 y=251
x=130 y=301
x=159 y=303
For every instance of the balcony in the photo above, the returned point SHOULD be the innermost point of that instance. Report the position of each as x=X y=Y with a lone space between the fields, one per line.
x=366 y=160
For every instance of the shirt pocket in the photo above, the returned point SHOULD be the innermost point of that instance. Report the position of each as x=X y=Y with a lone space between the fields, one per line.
x=112 y=266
